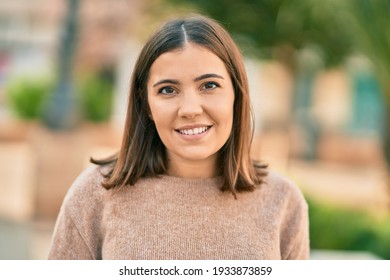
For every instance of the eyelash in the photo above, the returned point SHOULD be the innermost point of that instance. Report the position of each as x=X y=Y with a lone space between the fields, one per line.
x=160 y=91
x=215 y=85
x=203 y=87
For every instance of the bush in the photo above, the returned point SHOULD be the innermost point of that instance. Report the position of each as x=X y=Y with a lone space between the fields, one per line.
x=96 y=94
x=336 y=228
x=25 y=96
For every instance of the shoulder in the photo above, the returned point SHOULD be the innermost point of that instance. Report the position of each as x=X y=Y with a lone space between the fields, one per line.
x=89 y=181
x=282 y=189
x=86 y=191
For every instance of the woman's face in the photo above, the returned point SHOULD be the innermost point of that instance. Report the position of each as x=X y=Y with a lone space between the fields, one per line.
x=191 y=97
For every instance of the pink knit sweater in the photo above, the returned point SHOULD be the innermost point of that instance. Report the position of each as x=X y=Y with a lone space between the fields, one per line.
x=176 y=218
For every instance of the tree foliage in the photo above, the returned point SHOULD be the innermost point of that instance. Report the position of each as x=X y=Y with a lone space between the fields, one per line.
x=264 y=27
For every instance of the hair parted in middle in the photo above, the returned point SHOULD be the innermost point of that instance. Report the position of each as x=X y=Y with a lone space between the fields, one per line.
x=142 y=153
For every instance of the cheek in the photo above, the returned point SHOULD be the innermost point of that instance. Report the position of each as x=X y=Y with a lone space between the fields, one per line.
x=223 y=110
x=160 y=112
x=162 y=117
x=226 y=114
x=154 y=108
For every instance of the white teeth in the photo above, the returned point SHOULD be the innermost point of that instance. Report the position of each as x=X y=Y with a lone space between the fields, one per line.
x=194 y=131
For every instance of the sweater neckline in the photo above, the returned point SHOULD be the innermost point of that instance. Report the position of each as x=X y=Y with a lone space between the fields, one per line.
x=191 y=181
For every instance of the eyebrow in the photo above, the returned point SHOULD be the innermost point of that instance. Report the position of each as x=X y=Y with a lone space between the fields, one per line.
x=201 y=77
x=205 y=76
x=166 y=81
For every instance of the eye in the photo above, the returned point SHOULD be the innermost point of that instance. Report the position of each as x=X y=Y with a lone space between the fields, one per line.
x=209 y=86
x=167 y=91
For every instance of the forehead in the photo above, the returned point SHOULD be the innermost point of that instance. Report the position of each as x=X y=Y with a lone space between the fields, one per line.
x=191 y=60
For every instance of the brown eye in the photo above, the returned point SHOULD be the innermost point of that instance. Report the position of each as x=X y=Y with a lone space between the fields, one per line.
x=210 y=86
x=166 y=91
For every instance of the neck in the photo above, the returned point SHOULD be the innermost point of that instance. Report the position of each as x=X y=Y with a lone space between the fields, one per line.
x=206 y=168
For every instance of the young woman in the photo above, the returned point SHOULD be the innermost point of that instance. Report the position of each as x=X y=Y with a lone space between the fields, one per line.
x=183 y=185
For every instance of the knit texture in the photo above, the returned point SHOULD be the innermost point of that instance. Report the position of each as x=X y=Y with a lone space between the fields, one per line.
x=175 y=218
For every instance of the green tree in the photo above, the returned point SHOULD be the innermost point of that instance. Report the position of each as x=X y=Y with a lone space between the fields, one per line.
x=275 y=28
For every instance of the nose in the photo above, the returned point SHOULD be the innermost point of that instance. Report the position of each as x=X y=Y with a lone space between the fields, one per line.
x=190 y=105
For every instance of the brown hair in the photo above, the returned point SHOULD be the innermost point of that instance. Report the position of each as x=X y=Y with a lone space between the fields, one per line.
x=142 y=153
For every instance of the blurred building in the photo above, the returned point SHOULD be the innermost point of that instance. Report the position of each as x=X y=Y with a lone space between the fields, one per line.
x=30 y=34
x=340 y=112
x=324 y=127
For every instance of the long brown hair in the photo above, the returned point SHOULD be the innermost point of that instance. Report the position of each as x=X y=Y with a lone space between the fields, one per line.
x=142 y=153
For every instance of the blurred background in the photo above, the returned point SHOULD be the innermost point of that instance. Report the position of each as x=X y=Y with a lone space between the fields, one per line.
x=319 y=75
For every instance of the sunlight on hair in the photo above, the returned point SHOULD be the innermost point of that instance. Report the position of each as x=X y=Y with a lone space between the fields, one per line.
x=185 y=33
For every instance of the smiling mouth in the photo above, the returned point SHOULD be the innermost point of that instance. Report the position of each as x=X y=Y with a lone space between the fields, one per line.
x=193 y=131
